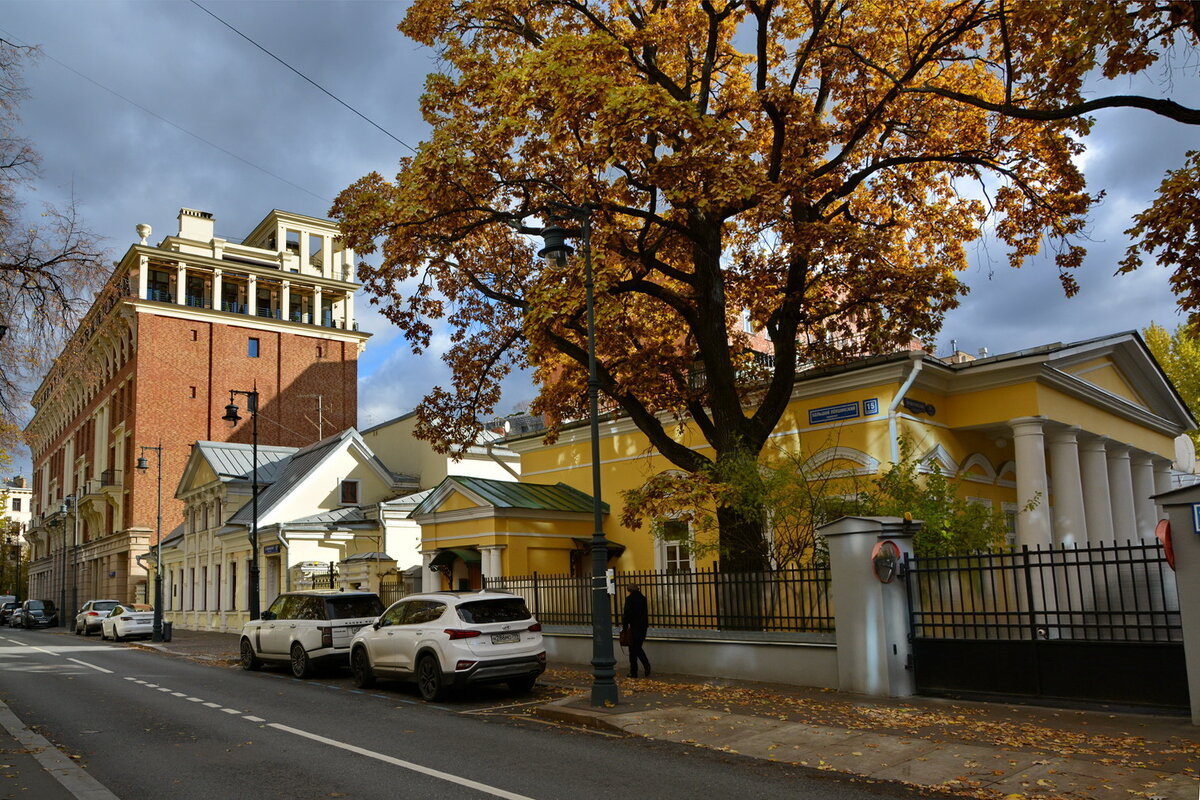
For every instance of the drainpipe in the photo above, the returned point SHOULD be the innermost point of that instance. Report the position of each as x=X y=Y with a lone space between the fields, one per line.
x=488 y=449
x=918 y=360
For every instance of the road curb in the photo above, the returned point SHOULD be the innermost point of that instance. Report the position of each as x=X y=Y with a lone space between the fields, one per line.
x=58 y=765
x=563 y=710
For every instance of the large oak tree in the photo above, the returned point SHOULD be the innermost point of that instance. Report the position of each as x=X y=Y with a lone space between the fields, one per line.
x=816 y=165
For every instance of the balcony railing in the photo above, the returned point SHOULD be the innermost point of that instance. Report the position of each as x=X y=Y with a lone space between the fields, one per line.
x=111 y=478
x=325 y=319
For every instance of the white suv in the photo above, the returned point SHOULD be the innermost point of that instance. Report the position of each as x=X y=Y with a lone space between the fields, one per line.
x=451 y=639
x=307 y=629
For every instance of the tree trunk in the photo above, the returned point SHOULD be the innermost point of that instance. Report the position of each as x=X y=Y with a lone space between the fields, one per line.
x=742 y=581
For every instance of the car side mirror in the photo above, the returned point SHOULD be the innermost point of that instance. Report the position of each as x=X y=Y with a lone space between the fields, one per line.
x=267 y=616
x=377 y=624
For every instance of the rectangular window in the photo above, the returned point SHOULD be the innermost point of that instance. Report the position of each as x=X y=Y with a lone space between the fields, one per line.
x=252 y=348
x=195 y=335
x=676 y=555
x=349 y=493
x=220 y=604
x=16 y=504
x=193 y=392
x=192 y=591
x=233 y=601
x=204 y=588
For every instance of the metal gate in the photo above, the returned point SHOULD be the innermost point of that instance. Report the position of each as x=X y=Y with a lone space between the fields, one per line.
x=1091 y=624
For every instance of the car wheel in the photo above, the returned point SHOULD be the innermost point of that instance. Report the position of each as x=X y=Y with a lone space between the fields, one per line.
x=360 y=667
x=429 y=679
x=250 y=661
x=77 y=631
x=301 y=663
x=117 y=637
x=103 y=635
x=521 y=686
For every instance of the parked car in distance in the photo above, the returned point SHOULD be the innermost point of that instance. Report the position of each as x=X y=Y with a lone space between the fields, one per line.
x=14 y=618
x=445 y=640
x=126 y=620
x=38 y=614
x=90 y=617
x=307 y=629
x=6 y=611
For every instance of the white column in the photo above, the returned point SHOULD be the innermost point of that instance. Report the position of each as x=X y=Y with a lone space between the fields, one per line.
x=1066 y=485
x=1093 y=463
x=348 y=311
x=318 y=317
x=1162 y=481
x=252 y=296
x=180 y=283
x=143 y=277
x=429 y=579
x=216 y=298
x=1120 y=492
x=489 y=563
x=1033 y=523
x=1144 y=509
x=285 y=300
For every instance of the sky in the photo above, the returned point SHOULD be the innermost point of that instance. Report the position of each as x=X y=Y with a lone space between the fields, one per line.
x=141 y=108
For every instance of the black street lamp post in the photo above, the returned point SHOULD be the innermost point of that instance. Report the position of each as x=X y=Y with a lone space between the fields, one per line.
x=143 y=465
x=231 y=416
x=604 y=687
x=69 y=503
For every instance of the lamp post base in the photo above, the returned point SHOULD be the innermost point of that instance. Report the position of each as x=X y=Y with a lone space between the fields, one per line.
x=604 y=687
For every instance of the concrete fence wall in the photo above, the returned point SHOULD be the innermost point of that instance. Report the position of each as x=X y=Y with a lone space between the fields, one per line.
x=799 y=663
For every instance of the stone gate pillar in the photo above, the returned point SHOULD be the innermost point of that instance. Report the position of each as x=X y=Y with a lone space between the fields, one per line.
x=871 y=616
x=1185 y=541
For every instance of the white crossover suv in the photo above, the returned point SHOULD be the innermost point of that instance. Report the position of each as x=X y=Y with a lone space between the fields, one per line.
x=445 y=640
x=307 y=629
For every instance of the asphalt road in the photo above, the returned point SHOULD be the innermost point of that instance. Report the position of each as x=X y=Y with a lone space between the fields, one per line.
x=149 y=726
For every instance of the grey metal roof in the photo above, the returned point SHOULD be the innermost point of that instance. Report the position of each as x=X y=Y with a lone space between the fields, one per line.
x=232 y=460
x=297 y=467
x=333 y=517
x=509 y=494
x=409 y=500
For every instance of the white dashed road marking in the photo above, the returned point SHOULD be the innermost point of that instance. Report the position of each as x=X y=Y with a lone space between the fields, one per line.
x=433 y=773
x=92 y=789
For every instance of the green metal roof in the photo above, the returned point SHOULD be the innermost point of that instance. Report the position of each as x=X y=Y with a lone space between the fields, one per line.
x=509 y=494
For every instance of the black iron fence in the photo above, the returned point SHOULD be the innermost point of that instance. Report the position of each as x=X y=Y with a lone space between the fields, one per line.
x=789 y=600
x=1097 y=593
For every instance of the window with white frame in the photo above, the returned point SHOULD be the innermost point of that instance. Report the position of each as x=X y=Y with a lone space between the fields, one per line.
x=1010 y=520
x=674 y=555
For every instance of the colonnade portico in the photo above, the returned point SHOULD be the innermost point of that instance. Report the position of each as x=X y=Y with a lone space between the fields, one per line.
x=1097 y=489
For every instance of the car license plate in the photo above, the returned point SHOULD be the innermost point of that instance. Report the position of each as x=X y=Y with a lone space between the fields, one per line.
x=505 y=638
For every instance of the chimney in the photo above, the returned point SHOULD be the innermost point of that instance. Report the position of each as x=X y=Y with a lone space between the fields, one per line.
x=195 y=225
x=960 y=357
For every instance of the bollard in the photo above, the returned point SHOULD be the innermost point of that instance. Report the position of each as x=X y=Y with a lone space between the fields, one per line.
x=166 y=631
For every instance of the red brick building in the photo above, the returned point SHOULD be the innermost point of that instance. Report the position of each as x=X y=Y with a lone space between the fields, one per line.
x=176 y=328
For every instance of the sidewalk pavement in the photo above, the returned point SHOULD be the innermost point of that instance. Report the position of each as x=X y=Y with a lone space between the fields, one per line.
x=981 y=750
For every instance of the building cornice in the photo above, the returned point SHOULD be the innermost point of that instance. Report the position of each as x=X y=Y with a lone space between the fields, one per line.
x=210 y=315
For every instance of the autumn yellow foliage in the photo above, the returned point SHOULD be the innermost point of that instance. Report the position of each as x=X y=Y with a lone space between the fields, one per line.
x=790 y=179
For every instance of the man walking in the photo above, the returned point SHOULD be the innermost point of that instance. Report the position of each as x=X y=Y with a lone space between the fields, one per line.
x=636 y=621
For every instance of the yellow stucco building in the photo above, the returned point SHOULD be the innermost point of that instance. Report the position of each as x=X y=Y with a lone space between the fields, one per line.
x=1070 y=440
